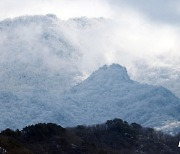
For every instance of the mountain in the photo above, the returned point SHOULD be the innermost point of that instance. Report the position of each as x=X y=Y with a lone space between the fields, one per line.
x=42 y=67
x=50 y=54
x=110 y=93
x=38 y=63
x=37 y=55
x=163 y=70
x=107 y=94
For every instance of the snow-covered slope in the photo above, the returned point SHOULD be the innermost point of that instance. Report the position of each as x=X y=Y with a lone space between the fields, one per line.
x=37 y=63
x=17 y=111
x=109 y=93
x=39 y=60
x=36 y=55
x=41 y=57
x=161 y=70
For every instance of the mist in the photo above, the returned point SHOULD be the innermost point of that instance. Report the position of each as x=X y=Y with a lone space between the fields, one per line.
x=143 y=37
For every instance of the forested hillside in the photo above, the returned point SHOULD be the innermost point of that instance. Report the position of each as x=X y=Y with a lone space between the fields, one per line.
x=115 y=136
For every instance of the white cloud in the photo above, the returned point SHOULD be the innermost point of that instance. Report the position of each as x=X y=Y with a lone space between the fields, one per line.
x=62 y=8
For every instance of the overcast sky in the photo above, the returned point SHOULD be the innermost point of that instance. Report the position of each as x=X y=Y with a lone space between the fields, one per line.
x=167 y=11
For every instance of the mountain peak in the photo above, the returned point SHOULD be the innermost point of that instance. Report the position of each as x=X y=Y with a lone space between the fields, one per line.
x=114 y=72
x=114 y=67
x=109 y=93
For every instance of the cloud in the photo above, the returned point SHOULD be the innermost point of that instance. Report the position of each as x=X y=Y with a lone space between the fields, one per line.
x=158 y=11
x=62 y=8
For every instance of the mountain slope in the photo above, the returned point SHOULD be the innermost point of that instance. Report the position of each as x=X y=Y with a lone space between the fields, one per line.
x=46 y=53
x=110 y=93
x=18 y=111
x=36 y=55
x=38 y=63
x=41 y=59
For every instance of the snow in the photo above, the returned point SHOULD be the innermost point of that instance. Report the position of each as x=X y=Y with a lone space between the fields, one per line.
x=109 y=93
x=38 y=63
x=41 y=79
x=36 y=55
x=168 y=126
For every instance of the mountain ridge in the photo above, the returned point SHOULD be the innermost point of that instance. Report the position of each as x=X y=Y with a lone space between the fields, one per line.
x=100 y=97
x=41 y=68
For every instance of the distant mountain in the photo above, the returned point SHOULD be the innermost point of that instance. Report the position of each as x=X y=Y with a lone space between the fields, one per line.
x=165 y=73
x=37 y=55
x=110 y=93
x=42 y=71
x=107 y=94
x=50 y=54
x=18 y=111
x=38 y=63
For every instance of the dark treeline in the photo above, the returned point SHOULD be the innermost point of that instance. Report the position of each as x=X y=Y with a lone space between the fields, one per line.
x=113 y=137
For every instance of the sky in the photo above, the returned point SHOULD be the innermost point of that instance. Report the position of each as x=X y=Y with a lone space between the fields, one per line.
x=64 y=9
x=167 y=11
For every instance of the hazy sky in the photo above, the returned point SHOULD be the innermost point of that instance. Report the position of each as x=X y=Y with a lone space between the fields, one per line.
x=167 y=11
x=62 y=8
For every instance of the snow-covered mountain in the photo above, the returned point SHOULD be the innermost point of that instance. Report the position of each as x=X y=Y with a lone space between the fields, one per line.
x=162 y=70
x=109 y=93
x=43 y=58
x=39 y=60
x=47 y=53
x=18 y=110
x=36 y=55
